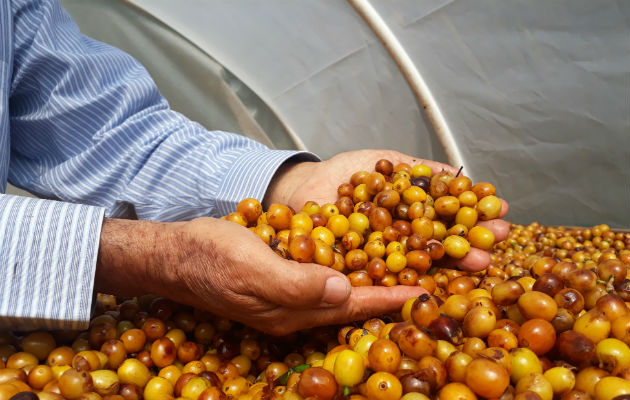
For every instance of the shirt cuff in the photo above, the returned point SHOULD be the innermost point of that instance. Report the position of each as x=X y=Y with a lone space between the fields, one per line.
x=251 y=175
x=48 y=252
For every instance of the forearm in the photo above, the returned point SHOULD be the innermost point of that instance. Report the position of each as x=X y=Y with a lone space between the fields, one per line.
x=136 y=257
x=116 y=142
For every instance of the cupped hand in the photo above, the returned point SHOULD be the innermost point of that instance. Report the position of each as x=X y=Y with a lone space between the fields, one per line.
x=224 y=268
x=318 y=181
x=296 y=184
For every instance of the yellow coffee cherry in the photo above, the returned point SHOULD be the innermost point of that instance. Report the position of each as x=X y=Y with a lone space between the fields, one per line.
x=393 y=246
x=413 y=194
x=481 y=238
x=524 y=362
x=362 y=346
x=194 y=387
x=446 y=206
x=467 y=199
x=396 y=261
x=613 y=355
x=439 y=230
x=177 y=336
x=489 y=207
x=419 y=170
x=360 y=194
x=562 y=379
x=456 y=246
x=235 y=387
x=536 y=383
x=311 y=207
x=158 y=389
x=349 y=368
x=133 y=371
x=374 y=249
x=328 y=210
x=406 y=309
x=610 y=387
x=302 y=220
x=338 y=225
x=105 y=382
x=324 y=234
x=359 y=222
x=171 y=373
x=457 y=230
x=466 y=216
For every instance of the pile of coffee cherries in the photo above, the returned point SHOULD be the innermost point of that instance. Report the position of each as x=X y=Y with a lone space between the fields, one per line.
x=548 y=320
x=387 y=226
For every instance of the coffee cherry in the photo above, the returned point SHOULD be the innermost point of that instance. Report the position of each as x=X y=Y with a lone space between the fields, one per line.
x=538 y=335
x=483 y=189
x=456 y=246
x=536 y=383
x=553 y=299
x=524 y=362
x=487 y=378
x=421 y=170
x=39 y=344
x=575 y=348
x=468 y=199
x=613 y=355
x=380 y=218
x=415 y=342
x=612 y=387
x=488 y=207
x=302 y=248
x=316 y=381
x=537 y=305
x=250 y=209
x=479 y=322
x=383 y=386
x=384 y=356
x=481 y=238
x=456 y=390
x=74 y=383
x=424 y=310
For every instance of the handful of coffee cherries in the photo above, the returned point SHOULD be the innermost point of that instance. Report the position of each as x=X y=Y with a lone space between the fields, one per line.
x=387 y=226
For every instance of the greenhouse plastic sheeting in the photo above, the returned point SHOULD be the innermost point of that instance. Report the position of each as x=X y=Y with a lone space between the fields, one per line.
x=536 y=94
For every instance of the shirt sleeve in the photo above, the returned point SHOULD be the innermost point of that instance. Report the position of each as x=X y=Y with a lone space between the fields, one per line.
x=48 y=251
x=88 y=126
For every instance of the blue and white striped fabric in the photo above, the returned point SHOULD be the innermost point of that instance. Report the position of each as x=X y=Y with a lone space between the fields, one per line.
x=82 y=124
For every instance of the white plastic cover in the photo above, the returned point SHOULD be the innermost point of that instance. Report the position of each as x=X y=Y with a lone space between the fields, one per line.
x=537 y=94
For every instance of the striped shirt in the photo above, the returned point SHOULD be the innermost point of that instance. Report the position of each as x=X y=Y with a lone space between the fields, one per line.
x=83 y=126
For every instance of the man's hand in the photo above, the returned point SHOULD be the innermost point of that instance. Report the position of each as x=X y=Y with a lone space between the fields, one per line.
x=298 y=183
x=225 y=268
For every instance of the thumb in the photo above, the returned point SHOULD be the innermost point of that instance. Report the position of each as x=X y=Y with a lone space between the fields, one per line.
x=303 y=285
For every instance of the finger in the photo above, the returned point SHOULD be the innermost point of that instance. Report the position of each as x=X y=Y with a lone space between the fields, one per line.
x=300 y=285
x=498 y=227
x=370 y=157
x=367 y=301
x=434 y=165
x=475 y=260
x=364 y=302
x=259 y=272
x=504 y=208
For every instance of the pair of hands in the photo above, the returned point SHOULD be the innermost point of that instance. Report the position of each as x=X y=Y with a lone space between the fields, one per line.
x=224 y=268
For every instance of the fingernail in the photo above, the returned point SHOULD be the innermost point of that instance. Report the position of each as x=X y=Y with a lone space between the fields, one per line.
x=336 y=291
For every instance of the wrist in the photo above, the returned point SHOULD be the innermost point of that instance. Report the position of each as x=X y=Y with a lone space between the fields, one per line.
x=129 y=253
x=285 y=181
